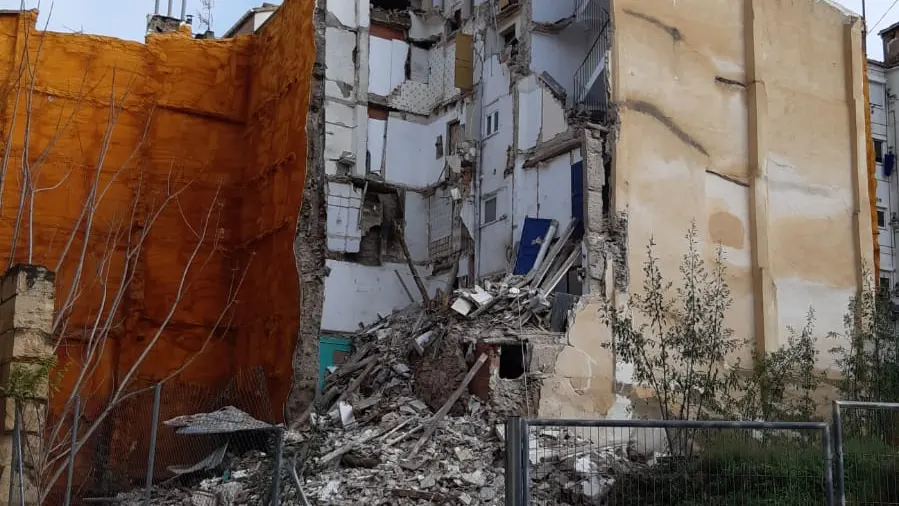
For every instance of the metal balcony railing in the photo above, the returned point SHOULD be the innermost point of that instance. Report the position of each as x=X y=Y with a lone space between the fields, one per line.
x=590 y=76
x=589 y=12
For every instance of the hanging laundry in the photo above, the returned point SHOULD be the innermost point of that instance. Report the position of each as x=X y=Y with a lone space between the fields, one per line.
x=889 y=163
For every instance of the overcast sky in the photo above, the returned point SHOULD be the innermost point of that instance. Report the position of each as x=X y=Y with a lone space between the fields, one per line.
x=127 y=18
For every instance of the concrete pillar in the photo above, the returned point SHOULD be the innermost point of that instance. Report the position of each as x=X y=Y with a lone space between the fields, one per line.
x=26 y=318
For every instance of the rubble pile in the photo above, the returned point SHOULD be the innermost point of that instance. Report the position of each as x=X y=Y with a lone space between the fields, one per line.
x=567 y=469
x=395 y=423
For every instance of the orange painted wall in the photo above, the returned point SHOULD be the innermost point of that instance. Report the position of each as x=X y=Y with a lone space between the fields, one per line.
x=282 y=69
x=227 y=115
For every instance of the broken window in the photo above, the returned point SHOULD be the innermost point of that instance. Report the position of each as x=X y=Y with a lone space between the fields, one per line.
x=453 y=24
x=379 y=214
x=453 y=136
x=513 y=359
x=438 y=145
x=489 y=210
x=510 y=43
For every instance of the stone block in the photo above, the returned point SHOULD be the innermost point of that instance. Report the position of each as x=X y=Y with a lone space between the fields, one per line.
x=22 y=278
x=28 y=344
x=33 y=415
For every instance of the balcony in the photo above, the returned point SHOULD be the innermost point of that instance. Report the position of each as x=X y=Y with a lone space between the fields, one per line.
x=590 y=79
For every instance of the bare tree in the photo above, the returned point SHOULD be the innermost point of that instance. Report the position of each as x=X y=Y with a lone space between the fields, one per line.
x=100 y=252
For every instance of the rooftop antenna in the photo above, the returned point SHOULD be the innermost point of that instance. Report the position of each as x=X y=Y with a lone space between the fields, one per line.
x=864 y=29
x=205 y=15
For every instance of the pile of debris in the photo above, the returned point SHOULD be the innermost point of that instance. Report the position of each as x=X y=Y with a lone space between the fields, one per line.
x=395 y=423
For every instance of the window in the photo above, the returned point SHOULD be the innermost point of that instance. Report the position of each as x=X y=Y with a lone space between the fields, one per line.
x=878 y=150
x=492 y=123
x=453 y=24
x=884 y=282
x=510 y=43
x=438 y=145
x=453 y=136
x=881 y=218
x=489 y=210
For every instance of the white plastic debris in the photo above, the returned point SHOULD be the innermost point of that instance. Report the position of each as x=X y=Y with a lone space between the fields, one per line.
x=346 y=414
x=480 y=296
x=462 y=306
x=421 y=342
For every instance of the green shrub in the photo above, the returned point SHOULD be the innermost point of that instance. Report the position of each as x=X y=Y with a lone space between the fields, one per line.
x=780 y=471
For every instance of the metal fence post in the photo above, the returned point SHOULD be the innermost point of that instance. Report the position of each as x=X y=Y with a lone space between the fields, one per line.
x=71 y=470
x=828 y=465
x=20 y=464
x=151 y=458
x=12 y=463
x=838 y=450
x=525 y=465
x=514 y=467
x=276 y=478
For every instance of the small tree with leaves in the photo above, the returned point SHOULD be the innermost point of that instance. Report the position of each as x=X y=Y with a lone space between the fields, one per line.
x=869 y=359
x=778 y=385
x=677 y=345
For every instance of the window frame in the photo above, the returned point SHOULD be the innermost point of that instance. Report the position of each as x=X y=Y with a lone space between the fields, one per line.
x=492 y=123
x=495 y=201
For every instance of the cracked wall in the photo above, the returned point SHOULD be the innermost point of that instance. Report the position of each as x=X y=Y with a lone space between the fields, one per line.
x=771 y=169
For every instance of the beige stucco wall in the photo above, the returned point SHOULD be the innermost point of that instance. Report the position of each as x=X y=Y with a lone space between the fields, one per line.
x=745 y=116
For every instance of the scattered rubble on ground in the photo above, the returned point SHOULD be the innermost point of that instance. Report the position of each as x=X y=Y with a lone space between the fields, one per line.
x=415 y=414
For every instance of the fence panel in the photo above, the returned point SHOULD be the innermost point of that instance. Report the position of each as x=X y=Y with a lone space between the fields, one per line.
x=866 y=447
x=668 y=463
x=121 y=454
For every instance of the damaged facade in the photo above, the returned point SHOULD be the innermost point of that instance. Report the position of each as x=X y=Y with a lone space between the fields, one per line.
x=466 y=133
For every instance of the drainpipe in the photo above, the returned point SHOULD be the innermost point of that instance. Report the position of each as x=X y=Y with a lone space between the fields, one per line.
x=183 y=9
x=170 y=9
x=156 y=9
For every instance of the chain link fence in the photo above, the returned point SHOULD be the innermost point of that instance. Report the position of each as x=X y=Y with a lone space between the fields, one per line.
x=866 y=444
x=134 y=452
x=668 y=463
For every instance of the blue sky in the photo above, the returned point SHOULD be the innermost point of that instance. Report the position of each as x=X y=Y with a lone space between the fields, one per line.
x=127 y=18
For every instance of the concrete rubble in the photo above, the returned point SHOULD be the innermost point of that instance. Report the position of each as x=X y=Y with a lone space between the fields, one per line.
x=416 y=414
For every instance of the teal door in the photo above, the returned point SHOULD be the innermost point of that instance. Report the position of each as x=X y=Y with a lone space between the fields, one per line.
x=331 y=351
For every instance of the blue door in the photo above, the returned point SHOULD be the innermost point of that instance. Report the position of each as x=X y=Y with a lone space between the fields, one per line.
x=532 y=234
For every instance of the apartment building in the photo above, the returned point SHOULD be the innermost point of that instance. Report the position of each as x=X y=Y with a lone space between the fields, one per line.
x=462 y=135
x=883 y=132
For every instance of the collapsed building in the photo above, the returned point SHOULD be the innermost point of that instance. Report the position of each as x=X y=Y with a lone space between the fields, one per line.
x=461 y=138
